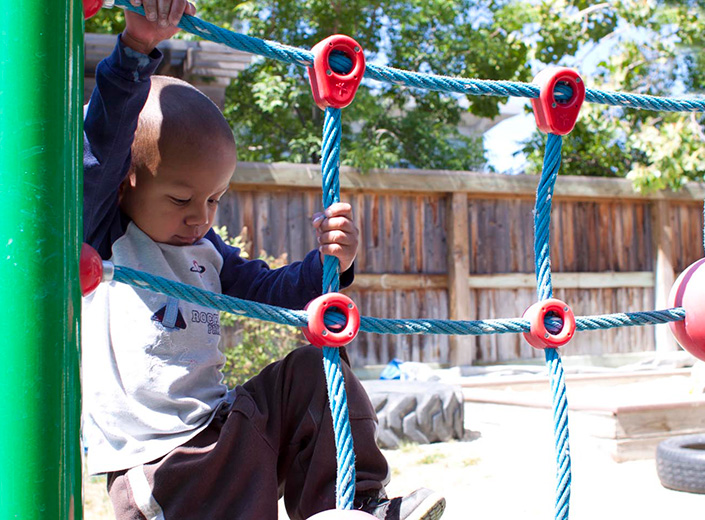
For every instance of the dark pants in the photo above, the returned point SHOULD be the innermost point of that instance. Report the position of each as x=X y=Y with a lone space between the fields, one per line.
x=277 y=439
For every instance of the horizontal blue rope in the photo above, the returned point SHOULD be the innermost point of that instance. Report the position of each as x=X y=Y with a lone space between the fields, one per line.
x=473 y=87
x=284 y=316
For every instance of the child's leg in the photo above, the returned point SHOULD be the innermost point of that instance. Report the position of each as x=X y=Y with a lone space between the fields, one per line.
x=278 y=438
x=294 y=390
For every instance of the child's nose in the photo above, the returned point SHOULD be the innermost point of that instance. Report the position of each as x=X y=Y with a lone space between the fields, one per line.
x=198 y=216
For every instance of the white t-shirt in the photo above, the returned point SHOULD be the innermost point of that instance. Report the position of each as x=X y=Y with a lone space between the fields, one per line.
x=150 y=363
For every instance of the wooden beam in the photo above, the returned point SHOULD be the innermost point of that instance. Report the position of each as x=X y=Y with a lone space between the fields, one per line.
x=282 y=175
x=564 y=280
x=664 y=270
x=462 y=348
x=399 y=282
x=414 y=282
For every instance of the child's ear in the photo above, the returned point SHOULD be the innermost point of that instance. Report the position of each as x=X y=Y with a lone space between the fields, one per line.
x=129 y=181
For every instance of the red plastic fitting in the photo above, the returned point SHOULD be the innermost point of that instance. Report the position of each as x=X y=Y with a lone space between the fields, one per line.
x=90 y=269
x=321 y=336
x=540 y=337
x=553 y=116
x=689 y=292
x=329 y=88
x=91 y=7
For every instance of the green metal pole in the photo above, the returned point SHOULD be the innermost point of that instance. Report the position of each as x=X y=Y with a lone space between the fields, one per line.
x=41 y=90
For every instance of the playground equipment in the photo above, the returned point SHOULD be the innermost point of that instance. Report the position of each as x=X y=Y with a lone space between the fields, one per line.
x=41 y=125
x=40 y=131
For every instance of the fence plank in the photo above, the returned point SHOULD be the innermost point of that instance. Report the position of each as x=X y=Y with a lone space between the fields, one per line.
x=603 y=236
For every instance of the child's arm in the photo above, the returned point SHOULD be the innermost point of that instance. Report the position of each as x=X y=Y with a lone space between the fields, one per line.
x=296 y=284
x=110 y=121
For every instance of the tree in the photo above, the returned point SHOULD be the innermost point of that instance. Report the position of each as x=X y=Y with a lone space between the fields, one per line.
x=270 y=106
x=654 y=48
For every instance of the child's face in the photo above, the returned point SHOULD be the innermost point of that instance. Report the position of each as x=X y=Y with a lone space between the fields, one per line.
x=177 y=204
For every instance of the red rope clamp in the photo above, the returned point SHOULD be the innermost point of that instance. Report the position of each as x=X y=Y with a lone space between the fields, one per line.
x=554 y=116
x=540 y=337
x=329 y=88
x=321 y=336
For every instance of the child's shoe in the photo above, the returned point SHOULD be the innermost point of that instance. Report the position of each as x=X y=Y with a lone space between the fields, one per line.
x=422 y=504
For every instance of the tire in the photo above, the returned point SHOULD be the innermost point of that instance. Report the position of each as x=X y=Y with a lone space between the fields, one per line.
x=680 y=463
x=416 y=411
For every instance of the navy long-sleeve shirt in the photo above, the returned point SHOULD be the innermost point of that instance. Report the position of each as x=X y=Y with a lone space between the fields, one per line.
x=122 y=87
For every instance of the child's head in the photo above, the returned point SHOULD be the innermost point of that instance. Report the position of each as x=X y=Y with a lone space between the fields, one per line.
x=183 y=157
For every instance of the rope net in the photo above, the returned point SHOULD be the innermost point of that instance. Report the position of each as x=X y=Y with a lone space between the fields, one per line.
x=345 y=484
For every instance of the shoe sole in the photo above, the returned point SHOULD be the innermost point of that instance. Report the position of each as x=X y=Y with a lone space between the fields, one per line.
x=430 y=509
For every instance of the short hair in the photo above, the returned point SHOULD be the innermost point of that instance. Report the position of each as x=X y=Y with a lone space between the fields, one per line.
x=176 y=116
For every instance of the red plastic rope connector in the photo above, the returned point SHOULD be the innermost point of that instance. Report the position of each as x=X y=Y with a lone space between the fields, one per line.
x=540 y=337
x=554 y=116
x=329 y=88
x=688 y=292
x=321 y=336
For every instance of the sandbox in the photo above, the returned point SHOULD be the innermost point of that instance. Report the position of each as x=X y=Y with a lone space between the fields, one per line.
x=627 y=412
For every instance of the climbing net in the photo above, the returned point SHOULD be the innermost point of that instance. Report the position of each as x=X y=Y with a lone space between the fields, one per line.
x=548 y=324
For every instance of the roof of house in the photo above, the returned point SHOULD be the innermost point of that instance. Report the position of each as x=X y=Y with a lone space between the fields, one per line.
x=207 y=65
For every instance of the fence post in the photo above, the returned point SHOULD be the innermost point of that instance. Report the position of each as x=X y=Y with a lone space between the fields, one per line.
x=664 y=270
x=462 y=348
x=41 y=90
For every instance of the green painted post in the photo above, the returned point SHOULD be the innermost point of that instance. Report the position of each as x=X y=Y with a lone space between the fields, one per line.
x=41 y=92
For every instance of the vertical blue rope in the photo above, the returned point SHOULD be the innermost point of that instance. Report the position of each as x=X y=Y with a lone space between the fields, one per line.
x=544 y=290
x=345 y=454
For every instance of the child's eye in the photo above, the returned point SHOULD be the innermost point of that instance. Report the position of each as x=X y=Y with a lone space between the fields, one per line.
x=179 y=202
x=214 y=201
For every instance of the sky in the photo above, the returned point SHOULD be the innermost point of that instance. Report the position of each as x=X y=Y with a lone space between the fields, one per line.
x=503 y=141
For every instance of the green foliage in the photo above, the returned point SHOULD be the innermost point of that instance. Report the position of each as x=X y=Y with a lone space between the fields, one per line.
x=106 y=21
x=655 y=48
x=248 y=344
x=271 y=108
x=651 y=48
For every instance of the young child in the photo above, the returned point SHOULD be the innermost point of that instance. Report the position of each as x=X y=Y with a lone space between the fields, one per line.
x=174 y=442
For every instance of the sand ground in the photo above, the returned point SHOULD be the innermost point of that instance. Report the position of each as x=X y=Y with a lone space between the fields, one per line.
x=505 y=469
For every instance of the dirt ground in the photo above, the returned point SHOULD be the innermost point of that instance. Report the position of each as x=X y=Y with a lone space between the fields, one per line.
x=505 y=469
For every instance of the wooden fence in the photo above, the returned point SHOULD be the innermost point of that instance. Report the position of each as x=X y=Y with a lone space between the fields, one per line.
x=459 y=245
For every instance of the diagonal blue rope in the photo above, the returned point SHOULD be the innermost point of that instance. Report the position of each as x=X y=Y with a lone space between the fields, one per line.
x=345 y=454
x=544 y=290
x=473 y=87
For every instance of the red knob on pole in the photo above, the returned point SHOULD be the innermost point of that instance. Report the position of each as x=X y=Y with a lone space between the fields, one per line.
x=90 y=269
x=91 y=7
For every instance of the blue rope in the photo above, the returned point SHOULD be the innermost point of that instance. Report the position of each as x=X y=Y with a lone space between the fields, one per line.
x=345 y=454
x=284 y=316
x=473 y=87
x=544 y=290
x=262 y=311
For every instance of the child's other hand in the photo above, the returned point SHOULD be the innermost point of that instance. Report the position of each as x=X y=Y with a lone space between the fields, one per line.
x=337 y=234
x=143 y=33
